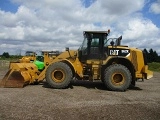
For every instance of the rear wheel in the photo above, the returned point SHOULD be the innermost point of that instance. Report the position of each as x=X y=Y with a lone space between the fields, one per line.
x=117 y=77
x=59 y=75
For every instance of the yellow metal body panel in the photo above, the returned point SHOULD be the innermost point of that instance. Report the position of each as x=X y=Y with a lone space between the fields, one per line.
x=136 y=58
x=27 y=59
x=95 y=68
x=73 y=60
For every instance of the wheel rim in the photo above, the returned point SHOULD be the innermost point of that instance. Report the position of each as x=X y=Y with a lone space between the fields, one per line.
x=118 y=79
x=58 y=76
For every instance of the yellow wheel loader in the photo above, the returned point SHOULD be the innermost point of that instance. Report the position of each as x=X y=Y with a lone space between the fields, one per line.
x=98 y=58
x=29 y=56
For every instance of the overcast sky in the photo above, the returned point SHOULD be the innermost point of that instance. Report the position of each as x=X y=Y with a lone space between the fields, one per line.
x=55 y=24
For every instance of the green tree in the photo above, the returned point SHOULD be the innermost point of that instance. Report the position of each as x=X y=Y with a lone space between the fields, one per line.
x=145 y=51
x=151 y=55
x=155 y=55
x=5 y=55
x=146 y=55
x=158 y=58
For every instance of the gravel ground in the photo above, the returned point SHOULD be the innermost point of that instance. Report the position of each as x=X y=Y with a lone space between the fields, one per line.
x=83 y=100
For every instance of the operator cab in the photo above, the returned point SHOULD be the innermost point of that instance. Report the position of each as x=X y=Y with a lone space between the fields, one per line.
x=93 y=45
x=30 y=53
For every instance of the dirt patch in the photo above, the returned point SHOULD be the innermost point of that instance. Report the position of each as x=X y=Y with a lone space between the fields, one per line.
x=83 y=100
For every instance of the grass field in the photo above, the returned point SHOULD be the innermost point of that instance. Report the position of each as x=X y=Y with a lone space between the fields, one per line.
x=154 y=66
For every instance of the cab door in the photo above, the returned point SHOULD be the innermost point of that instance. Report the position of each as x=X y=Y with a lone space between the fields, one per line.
x=92 y=47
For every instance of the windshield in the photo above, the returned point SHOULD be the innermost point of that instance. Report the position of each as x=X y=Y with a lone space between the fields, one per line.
x=29 y=53
x=83 y=47
x=106 y=42
x=116 y=41
x=95 y=42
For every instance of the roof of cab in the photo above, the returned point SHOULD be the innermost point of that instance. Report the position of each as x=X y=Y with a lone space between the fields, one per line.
x=103 y=32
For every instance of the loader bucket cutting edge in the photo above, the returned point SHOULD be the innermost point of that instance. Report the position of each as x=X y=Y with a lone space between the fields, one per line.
x=149 y=74
x=12 y=79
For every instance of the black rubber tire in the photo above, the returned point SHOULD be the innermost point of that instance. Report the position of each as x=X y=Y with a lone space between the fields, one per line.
x=133 y=84
x=119 y=71
x=66 y=71
x=36 y=83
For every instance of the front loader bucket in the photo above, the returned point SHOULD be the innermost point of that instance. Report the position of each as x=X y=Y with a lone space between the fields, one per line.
x=14 y=79
x=19 y=75
x=149 y=74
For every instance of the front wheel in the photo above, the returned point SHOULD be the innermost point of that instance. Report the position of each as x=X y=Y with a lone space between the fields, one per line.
x=59 y=75
x=117 y=77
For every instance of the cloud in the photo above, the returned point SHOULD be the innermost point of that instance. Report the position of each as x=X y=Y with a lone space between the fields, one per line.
x=138 y=32
x=55 y=24
x=140 y=28
x=155 y=7
x=141 y=33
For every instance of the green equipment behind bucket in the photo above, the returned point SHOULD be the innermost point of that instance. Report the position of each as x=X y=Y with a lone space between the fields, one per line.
x=40 y=65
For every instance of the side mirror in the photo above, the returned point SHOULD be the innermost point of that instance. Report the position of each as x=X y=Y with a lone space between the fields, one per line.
x=67 y=49
x=112 y=43
x=119 y=40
